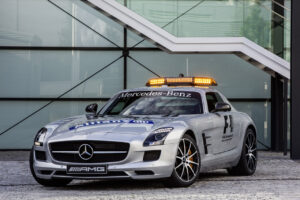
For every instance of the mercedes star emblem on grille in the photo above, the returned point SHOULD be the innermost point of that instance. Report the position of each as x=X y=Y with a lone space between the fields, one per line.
x=85 y=151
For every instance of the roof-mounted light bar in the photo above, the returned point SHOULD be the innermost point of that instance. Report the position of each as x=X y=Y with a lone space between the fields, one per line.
x=182 y=81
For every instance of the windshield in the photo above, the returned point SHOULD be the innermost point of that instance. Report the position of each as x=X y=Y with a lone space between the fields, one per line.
x=156 y=103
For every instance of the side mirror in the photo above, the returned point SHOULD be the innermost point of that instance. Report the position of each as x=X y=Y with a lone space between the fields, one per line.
x=92 y=108
x=223 y=107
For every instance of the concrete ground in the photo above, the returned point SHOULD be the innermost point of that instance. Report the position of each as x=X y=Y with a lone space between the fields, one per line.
x=277 y=177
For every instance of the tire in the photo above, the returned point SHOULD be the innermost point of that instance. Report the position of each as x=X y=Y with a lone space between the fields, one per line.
x=187 y=165
x=47 y=182
x=248 y=160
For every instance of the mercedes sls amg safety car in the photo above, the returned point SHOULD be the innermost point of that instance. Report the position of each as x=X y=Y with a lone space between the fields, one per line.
x=171 y=130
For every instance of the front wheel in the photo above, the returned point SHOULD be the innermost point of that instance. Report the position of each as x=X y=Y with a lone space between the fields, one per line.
x=187 y=165
x=46 y=182
x=248 y=159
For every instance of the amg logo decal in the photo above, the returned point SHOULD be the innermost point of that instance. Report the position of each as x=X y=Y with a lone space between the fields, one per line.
x=86 y=170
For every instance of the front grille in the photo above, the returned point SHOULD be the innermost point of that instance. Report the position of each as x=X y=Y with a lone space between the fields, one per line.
x=97 y=145
x=103 y=151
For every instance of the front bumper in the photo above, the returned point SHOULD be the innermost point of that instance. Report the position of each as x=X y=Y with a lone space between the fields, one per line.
x=132 y=167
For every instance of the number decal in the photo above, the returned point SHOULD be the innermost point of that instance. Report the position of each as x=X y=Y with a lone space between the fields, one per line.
x=231 y=123
x=228 y=124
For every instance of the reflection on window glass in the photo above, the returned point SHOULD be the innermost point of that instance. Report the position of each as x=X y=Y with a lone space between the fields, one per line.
x=158 y=104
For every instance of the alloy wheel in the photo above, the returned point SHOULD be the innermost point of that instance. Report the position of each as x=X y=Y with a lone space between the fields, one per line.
x=187 y=160
x=251 y=153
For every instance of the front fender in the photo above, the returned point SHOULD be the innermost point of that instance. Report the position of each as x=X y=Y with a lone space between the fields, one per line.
x=180 y=128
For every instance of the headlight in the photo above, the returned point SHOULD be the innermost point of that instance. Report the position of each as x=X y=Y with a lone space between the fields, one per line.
x=40 y=136
x=158 y=136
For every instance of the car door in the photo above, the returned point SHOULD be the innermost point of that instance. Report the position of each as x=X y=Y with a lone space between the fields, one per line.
x=232 y=134
x=224 y=129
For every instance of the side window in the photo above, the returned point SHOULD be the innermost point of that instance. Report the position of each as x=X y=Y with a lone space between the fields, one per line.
x=213 y=98
x=219 y=98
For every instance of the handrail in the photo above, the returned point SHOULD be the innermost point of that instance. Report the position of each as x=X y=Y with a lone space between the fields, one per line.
x=271 y=10
x=288 y=9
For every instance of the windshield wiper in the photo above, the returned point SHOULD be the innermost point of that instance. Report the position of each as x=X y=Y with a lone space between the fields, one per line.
x=146 y=117
x=129 y=116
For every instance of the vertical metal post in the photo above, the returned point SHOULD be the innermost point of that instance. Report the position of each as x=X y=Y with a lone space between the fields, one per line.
x=285 y=113
x=125 y=54
x=277 y=87
x=277 y=113
x=295 y=80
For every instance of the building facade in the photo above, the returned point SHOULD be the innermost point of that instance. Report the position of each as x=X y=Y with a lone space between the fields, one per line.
x=59 y=56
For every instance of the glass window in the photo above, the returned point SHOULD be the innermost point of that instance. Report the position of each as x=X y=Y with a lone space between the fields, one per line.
x=137 y=76
x=51 y=73
x=110 y=30
x=260 y=112
x=236 y=78
x=134 y=40
x=213 y=18
x=156 y=103
x=213 y=98
x=118 y=107
x=40 y=23
x=22 y=135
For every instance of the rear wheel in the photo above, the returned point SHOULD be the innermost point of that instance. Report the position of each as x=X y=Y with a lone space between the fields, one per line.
x=187 y=164
x=248 y=160
x=46 y=182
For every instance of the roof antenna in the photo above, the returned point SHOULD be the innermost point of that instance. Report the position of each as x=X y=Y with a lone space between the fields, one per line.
x=187 y=66
x=181 y=75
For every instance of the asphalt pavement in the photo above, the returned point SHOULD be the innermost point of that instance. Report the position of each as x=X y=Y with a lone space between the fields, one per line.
x=277 y=177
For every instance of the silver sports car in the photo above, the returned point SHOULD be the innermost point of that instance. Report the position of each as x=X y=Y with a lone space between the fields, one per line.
x=171 y=130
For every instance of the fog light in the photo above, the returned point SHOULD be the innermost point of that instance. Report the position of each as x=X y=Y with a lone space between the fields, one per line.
x=151 y=155
x=40 y=155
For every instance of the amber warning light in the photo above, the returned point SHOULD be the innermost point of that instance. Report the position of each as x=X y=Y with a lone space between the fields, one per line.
x=182 y=82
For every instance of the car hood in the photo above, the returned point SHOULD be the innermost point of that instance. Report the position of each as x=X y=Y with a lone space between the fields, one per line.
x=105 y=128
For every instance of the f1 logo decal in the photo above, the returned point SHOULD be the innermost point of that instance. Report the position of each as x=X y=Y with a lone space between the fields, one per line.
x=228 y=123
